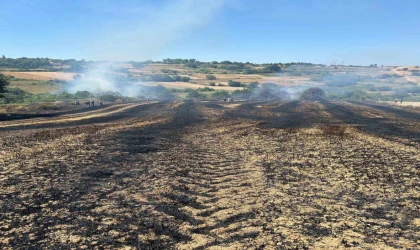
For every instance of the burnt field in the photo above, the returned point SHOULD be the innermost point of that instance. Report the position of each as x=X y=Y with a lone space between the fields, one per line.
x=211 y=175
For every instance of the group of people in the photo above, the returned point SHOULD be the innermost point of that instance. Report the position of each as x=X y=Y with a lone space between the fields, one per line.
x=228 y=99
x=90 y=103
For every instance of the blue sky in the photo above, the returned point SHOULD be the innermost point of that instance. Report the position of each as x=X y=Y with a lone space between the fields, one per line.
x=319 y=31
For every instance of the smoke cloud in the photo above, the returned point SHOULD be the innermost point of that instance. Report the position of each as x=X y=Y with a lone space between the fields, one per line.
x=140 y=35
x=147 y=31
x=100 y=79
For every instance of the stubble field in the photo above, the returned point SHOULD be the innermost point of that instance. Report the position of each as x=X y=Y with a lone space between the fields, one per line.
x=212 y=175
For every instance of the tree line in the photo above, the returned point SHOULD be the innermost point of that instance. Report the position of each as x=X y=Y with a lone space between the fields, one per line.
x=46 y=63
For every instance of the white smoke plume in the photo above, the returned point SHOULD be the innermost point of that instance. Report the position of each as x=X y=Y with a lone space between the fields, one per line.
x=146 y=31
x=143 y=34
x=101 y=79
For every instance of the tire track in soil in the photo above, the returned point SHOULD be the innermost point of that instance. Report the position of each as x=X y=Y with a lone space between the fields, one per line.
x=119 y=114
x=219 y=186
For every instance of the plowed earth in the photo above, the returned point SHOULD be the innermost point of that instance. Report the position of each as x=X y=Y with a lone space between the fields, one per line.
x=212 y=176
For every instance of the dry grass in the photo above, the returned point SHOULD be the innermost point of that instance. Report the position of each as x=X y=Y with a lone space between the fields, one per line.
x=409 y=104
x=36 y=87
x=42 y=76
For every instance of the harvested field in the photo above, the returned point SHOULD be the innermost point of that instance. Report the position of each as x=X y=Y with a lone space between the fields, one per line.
x=42 y=76
x=36 y=87
x=409 y=104
x=212 y=175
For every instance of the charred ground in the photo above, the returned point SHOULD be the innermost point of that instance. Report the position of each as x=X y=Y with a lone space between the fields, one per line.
x=197 y=175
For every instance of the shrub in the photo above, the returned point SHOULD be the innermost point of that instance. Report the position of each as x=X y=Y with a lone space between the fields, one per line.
x=313 y=94
x=274 y=68
x=211 y=77
x=4 y=81
x=205 y=89
x=253 y=85
x=234 y=83
x=82 y=95
x=220 y=94
x=212 y=84
x=108 y=98
x=191 y=65
x=195 y=94
x=385 y=88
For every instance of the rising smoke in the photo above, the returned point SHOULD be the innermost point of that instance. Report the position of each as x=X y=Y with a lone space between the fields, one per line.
x=141 y=36
x=100 y=79
x=144 y=34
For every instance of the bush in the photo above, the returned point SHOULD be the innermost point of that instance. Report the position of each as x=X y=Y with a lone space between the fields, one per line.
x=205 y=89
x=82 y=95
x=242 y=93
x=15 y=95
x=212 y=84
x=195 y=94
x=211 y=77
x=313 y=94
x=191 y=65
x=385 y=88
x=3 y=83
x=253 y=85
x=234 y=83
x=109 y=98
x=164 y=78
x=168 y=71
x=274 y=68
x=185 y=79
x=220 y=94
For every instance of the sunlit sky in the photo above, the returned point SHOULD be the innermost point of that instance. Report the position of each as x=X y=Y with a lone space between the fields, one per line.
x=318 y=31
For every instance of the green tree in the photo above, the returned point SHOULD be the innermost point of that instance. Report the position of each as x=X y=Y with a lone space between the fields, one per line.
x=3 y=83
x=313 y=94
x=268 y=90
x=253 y=85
